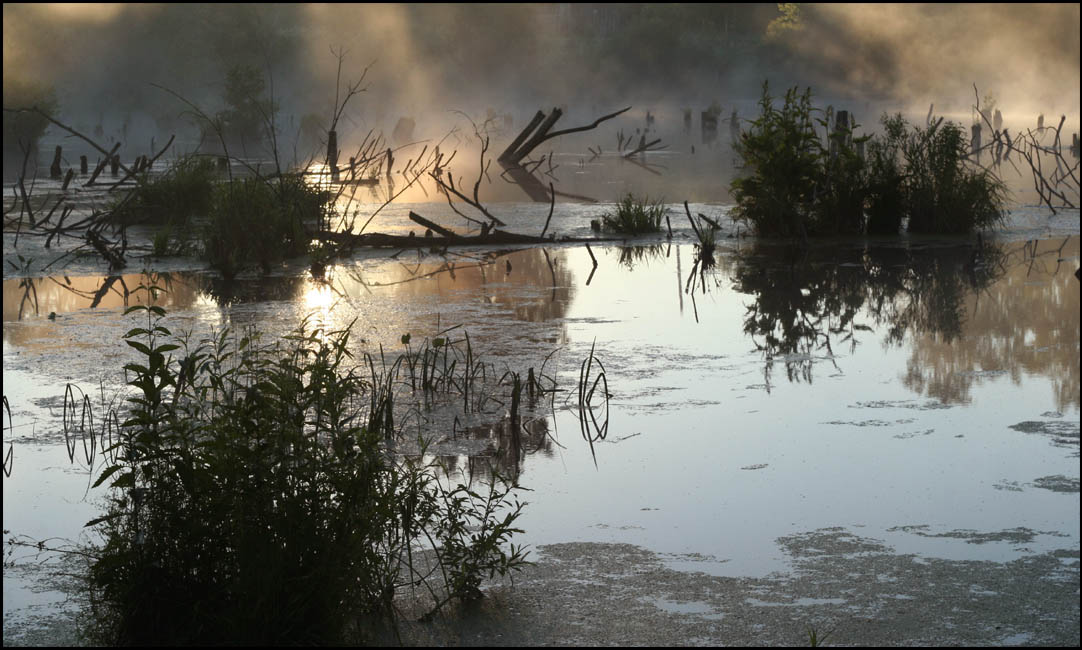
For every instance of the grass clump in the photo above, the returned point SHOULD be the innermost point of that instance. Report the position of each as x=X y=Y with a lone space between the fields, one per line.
x=635 y=216
x=258 y=221
x=796 y=186
x=254 y=501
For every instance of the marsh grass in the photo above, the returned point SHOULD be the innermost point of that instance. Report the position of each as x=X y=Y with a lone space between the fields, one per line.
x=635 y=216
x=253 y=499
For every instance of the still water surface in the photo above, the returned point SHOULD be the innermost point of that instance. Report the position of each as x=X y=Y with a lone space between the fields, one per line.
x=918 y=391
x=905 y=392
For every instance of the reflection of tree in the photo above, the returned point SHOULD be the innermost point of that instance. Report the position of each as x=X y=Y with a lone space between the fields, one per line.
x=62 y=294
x=265 y=288
x=815 y=299
x=498 y=277
x=1025 y=323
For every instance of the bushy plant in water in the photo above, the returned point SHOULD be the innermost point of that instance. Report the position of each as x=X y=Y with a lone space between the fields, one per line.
x=943 y=193
x=172 y=199
x=260 y=221
x=886 y=178
x=635 y=216
x=781 y=153
x=255 y=502
x=795 y=187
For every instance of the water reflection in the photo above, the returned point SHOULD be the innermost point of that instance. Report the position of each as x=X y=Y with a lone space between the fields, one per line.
x=966 y=311
x=29 y=298
x=1027 y=322
x=507 y=444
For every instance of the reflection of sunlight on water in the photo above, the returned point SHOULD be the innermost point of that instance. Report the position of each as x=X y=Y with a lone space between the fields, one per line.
x=318 y=301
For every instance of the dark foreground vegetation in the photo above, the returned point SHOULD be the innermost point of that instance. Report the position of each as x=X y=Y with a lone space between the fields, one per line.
x=256 y=498
x=799 y=184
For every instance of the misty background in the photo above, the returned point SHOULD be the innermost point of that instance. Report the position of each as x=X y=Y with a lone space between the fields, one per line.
x=426 y=60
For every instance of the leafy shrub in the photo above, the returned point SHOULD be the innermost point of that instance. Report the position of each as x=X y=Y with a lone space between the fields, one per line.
x=782 y=154
x=253 y=501
x=796 y=187
x=943 y=194
x=172 y=199
x=635 y=216
x=257 y=221
x=886 y=178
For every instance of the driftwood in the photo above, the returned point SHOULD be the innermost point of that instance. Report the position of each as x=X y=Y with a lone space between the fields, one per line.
x=539 y=130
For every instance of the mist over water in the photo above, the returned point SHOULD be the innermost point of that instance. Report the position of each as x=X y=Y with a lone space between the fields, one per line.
x=427 y=60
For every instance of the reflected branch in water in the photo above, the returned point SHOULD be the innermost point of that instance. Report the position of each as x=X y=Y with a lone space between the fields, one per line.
x=817 y=296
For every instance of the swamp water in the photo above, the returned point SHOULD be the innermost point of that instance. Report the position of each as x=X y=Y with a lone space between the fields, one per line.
x=880 y=438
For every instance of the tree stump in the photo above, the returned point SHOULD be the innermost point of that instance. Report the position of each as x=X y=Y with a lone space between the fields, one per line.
x=54 y=169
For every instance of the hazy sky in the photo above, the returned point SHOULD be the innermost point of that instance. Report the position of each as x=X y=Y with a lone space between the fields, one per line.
x=102 y=58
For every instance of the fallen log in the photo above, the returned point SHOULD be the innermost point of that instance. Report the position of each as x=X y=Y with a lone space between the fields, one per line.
x=494 y=238
x=432 y=225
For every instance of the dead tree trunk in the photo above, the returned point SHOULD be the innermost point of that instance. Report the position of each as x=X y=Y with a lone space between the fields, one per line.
x=540 y=130
x=54 y=169
x=517 y=142
x=332 y=150
x=101 y=165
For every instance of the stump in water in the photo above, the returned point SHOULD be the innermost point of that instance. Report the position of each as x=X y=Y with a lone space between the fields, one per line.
x=975 y=142
x=54 y=169
x=82 y=165
x=332 y=151
x=708 y=121
x=114 y=165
